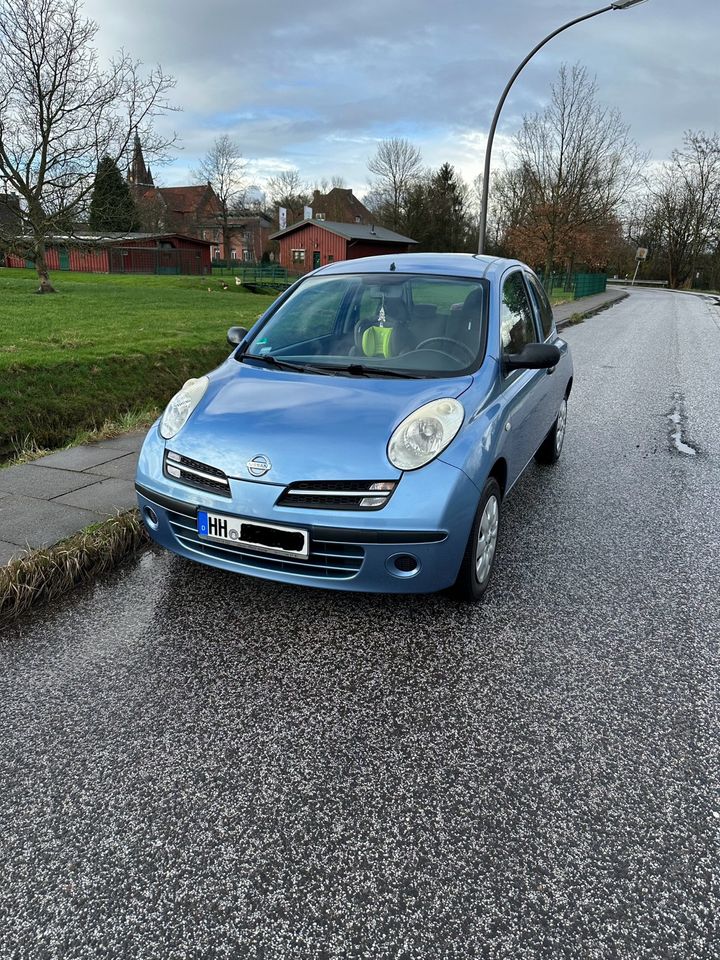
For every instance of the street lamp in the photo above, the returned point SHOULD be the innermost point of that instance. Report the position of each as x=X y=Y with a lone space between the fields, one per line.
x=617 y=5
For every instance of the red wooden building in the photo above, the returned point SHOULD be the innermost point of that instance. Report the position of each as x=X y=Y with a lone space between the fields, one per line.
x=166 y=253
x=310 y=244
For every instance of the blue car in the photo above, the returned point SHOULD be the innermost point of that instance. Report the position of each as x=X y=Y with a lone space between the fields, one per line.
x=364 y=434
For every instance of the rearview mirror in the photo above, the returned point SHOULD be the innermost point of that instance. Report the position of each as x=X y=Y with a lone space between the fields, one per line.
x=236 y=335
x=533 y=356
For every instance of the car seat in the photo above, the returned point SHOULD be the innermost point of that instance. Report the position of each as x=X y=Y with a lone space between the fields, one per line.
x=464 y=325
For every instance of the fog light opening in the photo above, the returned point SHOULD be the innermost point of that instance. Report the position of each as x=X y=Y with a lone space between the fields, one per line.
x=403 y=565
x=151 y=518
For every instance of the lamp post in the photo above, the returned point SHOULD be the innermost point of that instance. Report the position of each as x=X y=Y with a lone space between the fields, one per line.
x=617 y=5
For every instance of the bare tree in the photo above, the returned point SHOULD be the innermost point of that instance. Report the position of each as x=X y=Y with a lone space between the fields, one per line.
x=684 y=210
x=576 y=164
x=396 y=165
x=324 y=185
x=224 y=169
x=61 y=113
x=288 y=189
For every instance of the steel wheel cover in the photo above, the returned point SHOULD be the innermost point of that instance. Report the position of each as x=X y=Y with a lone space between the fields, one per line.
x=560 y=426
x=487 y=539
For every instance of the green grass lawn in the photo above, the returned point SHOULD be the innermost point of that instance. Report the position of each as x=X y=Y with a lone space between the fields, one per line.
x=558 y=295
x=104 y=345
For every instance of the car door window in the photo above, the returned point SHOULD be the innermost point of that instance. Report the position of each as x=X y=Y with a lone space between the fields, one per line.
x=517 y=326
x=543 y=305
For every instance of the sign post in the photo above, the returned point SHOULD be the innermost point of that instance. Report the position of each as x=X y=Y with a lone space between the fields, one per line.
x=639 y=256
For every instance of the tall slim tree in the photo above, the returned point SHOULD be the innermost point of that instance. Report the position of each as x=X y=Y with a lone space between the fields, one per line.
x=224 y=169
x=396 y=166
x=112 y=207
x=61 y=112
x=449 y=211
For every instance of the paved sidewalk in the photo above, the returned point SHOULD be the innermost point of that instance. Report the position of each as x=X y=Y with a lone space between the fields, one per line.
x=564 y=311
x=56 y=496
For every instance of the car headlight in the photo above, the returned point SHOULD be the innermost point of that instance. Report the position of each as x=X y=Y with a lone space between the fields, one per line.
x=182 y=405
x=425 y=433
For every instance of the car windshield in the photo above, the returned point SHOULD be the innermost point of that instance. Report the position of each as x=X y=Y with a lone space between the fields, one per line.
x=377 y=324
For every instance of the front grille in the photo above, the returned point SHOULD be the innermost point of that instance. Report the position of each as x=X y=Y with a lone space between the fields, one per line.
x=337 y=494
x=328 y=560
x=195 y=474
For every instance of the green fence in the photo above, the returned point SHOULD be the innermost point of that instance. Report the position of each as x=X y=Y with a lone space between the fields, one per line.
x=575 y=285
x=587 y=284
x=257 y=274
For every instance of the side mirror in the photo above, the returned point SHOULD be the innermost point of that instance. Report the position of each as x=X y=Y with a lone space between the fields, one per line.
x=236 y=335
x=533 y=356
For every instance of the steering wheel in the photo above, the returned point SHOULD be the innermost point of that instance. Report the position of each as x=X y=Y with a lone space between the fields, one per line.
x=469 y=354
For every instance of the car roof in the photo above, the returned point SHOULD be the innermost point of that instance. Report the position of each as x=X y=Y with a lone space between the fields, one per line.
x=471 y=265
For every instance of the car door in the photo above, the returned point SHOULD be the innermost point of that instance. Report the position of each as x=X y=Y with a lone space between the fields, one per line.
x=524 y=391
x=554 y=385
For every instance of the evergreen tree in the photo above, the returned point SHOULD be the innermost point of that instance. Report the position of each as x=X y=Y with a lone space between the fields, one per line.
x=437 y=213
x=112 y=207
x=448 y=211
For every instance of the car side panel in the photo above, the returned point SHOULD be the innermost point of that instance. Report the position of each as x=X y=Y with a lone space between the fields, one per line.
x=501 y=422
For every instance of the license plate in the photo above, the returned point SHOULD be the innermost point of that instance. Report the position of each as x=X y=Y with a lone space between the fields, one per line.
x=263 y=537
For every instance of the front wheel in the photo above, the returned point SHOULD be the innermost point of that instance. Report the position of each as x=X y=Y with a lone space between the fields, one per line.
x=479 y=557
x=551 y=447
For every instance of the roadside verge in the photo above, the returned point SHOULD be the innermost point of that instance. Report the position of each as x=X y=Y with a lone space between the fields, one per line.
x=46 y=574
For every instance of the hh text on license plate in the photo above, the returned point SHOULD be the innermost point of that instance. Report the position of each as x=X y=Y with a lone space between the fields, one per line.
x=263 y=537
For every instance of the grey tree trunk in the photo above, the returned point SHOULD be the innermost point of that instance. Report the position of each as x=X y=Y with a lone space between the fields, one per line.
x=42 y=270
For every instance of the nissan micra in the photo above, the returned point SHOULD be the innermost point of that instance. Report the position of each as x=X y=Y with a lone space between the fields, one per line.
x=364 y=434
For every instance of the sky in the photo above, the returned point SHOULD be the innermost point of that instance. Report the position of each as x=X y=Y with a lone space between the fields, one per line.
x=317 y=87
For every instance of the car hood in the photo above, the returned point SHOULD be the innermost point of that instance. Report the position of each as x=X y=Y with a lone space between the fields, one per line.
x=309 y=426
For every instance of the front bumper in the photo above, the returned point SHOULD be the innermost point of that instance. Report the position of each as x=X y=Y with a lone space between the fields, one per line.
x=428 y=517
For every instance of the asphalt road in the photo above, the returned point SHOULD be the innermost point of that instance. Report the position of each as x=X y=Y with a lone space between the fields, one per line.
x=199 y=765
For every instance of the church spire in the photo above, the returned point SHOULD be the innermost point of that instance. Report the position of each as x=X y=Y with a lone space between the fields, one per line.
x=139 y=175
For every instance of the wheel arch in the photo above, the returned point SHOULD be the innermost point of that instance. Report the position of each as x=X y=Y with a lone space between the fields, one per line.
x=500 y=473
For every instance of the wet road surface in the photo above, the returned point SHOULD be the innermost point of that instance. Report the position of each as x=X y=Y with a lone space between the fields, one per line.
x=200 y=765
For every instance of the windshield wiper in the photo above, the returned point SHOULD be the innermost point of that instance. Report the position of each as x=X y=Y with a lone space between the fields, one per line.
x=329 y=369
x=363 y=370
x=272 y=361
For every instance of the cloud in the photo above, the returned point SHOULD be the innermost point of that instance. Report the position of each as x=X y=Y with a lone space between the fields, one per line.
x=317 y=87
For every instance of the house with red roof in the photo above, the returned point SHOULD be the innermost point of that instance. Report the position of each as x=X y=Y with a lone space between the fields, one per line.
x=195 y=211
x=340 y=205
x=310 y=244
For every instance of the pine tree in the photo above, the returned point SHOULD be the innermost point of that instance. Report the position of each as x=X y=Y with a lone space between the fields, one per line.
x=112 y=207
x=447 y=200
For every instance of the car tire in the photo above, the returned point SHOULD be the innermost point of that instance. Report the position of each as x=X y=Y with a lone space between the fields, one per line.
x=550 y=449
x=479 y=557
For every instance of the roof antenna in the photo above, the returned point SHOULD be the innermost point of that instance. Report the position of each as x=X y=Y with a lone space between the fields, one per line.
x=392 y=266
